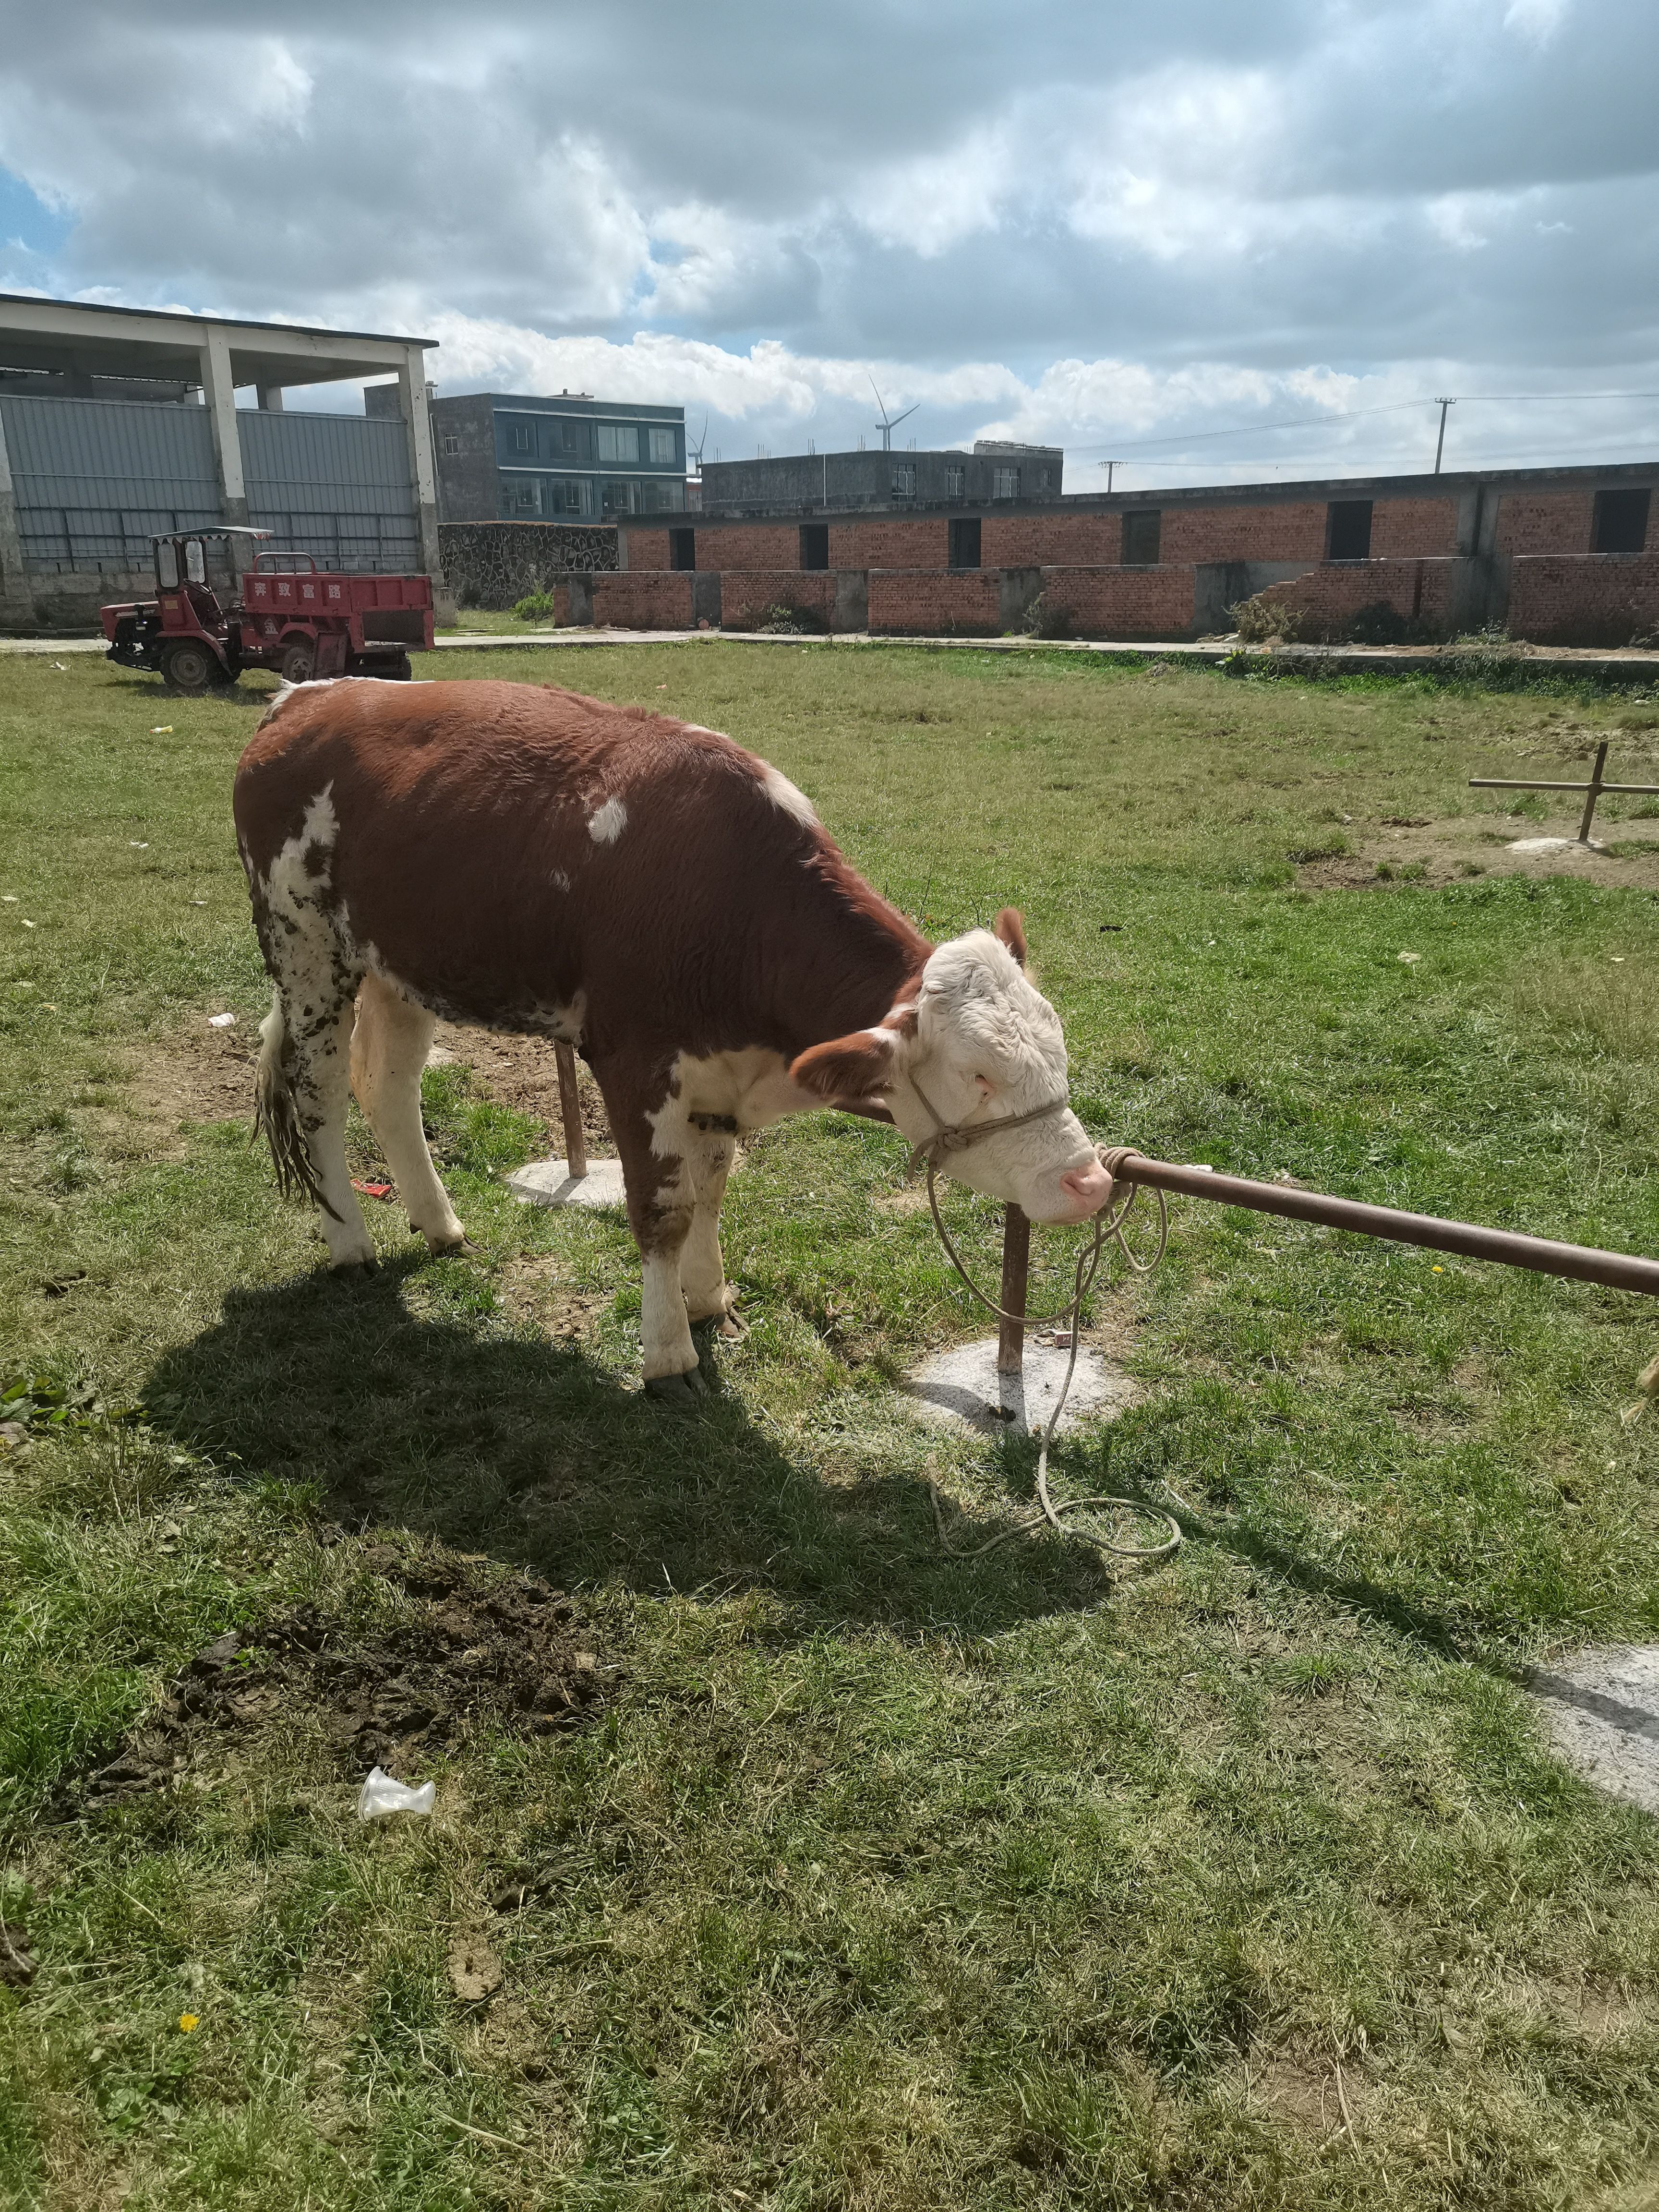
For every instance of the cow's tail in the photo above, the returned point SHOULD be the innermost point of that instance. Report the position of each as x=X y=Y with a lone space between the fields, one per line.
x=276 y=1115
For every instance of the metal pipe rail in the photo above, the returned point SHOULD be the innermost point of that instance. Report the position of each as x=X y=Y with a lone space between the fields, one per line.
x=1583 y=1263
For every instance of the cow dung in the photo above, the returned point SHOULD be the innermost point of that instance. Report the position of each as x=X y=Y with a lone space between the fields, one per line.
x=962 y=1388
x=1602 y=1708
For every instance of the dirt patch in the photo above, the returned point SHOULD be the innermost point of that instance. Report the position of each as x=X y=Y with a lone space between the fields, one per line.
x=1307 y=2097
x=510 y=1653
x=200 y=1075
x=531 y=1290
x=1399 y=851
x=908 y=1198
x=519 y=1071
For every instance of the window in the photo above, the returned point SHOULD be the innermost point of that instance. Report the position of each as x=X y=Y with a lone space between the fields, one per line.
x=904 y=480
x=619 y=496
x=953 y=483
x=1043 y=484
x=814 y=545
x=528 y=497
x=1621 y=522
x=662 y=447
x=195 y=565
x=682 y=548
x=524 y=437
x=1143 y=528
x=964 y=542
x=1350 y=530
x=567 y=437
x=452 y=443
x=618 y=441
x=1004 y=483
x=166 y=566
x=664 y=497
x=565 y=497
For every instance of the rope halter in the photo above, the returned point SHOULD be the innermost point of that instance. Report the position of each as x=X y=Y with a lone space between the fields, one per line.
x=952 y=1137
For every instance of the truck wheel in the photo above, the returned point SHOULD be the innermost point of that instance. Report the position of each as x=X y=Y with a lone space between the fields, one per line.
x=191 y=668
x=298 y=663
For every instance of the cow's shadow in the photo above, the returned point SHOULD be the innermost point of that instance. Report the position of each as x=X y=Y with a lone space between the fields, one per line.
x=526 y=1449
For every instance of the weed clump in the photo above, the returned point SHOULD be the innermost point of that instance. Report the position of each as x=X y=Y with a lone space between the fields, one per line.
x=535 y=606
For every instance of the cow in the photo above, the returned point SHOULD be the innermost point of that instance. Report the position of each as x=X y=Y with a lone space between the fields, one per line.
x=523 y=857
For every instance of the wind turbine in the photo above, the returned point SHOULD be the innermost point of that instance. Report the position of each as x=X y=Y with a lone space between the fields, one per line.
x=890 y=423
x=696 y=451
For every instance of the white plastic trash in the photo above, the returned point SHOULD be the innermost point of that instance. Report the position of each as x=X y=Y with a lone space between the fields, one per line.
x=382 y=1793
x=220 y=1021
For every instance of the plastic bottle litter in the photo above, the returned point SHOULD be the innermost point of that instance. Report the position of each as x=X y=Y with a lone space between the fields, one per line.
x=381 y=1794
x=161 y=730
x=220 y=1021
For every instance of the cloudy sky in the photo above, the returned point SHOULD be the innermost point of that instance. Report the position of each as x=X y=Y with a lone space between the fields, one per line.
x=1207 y=240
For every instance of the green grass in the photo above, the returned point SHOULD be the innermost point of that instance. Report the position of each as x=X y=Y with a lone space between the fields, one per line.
x=885 y=1881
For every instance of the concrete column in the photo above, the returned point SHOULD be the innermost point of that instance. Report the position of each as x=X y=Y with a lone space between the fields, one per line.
x=16 y=606
x=219 y=394
x=418 y=423
x=271 y=398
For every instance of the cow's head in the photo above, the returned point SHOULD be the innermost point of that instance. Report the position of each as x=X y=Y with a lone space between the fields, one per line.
x=984 y=1045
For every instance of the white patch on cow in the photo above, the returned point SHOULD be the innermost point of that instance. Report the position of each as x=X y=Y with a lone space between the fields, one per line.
x=606 y=823
x=783 y=793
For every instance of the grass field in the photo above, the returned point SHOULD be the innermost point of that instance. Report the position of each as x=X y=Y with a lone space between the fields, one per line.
x=847 y=1876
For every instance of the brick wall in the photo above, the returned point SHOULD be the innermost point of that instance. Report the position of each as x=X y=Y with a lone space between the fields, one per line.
x=643 y=599
x=753 y=545
x=1402 y=527
x=1035 y=541
x=1329 y=597
x=1095 y=602
x=1587 y=598
x=1294 y=531
x=647 y=548
x=1547 y=522
x=936 y=602
x=921 y=543
x=748 y=596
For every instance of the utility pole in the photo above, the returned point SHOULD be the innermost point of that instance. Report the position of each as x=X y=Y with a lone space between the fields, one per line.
x=1109 y=466
x=1440 y=442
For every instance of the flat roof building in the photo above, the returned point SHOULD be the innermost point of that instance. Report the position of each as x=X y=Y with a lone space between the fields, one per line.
x=810 y=484
x=118 y=423
x=505 y=457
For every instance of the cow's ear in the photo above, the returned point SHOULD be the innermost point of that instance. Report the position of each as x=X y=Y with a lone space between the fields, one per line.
x=849 y=1066
x=1011 y=932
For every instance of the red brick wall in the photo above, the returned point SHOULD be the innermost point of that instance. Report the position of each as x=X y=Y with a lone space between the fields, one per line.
x=1331 y=595
x=918 y=544
x=647 y=548
x=750 y=545
x=1587 y=598
x=646 y=598
x=936 y=602
x=1291 y=533
x=1033 y=541
x=1122 y=602
x=1551 y=522
x=748 y=595
x=1402 y=528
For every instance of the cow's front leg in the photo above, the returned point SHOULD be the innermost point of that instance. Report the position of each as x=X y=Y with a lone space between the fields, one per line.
x=651 y=1134
x=702 y=1272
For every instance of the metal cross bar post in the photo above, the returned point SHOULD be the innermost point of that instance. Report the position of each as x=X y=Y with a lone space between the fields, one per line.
x=1016 y=1266
x=1592 y=790
x=575 y=1143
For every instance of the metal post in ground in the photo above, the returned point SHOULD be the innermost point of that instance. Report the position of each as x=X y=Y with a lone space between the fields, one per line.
x=1593 y=793
x=576 y=1145
x=1016 y=1266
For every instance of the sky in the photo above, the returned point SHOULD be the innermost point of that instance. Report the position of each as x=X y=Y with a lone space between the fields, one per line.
x=1205 y=241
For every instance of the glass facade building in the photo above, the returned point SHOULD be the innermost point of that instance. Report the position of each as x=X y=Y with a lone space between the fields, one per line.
x=502 y=457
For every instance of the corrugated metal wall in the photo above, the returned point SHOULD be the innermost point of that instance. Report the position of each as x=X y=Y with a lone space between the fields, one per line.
x=95 y=479
x=335 y=485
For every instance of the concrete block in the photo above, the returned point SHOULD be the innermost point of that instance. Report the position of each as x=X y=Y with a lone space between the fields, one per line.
x=1602 y=1708
x=962 y=1388
x=549 y=1182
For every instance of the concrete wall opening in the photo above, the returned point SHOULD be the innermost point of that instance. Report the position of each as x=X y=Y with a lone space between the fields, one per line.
x=964 y=542
x=1348 y=530
x=682 y=549
x=814 y=545
x=1621 y=522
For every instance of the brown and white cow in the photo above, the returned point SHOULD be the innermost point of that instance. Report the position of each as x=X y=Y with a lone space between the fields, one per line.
x=530 y=859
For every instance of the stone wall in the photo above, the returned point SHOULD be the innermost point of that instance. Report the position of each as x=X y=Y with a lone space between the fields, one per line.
x=496 y=564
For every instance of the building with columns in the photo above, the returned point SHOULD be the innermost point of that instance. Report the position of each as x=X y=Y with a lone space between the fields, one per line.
x=117 y=424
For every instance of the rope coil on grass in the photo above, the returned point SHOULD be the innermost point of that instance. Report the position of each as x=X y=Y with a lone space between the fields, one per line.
x=1108 y=1228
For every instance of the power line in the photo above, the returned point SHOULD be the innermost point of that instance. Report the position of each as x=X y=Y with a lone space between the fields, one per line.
x=1353 y=415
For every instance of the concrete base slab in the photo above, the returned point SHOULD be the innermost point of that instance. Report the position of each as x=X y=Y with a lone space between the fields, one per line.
x=1602 y=1710
x=1556 y=845
x=961 y=1388
x=549 y=1182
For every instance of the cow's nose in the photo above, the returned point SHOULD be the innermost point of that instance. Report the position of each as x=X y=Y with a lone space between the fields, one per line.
x=1087 y=1187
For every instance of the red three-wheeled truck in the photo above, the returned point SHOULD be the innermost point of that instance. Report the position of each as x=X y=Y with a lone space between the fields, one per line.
x=207 y=623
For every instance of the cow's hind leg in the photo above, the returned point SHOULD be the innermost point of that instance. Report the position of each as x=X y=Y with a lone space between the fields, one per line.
x=389 y=1047
x=303 y=1085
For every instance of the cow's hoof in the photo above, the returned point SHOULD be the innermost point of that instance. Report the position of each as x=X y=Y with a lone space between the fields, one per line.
x=675 y=1394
